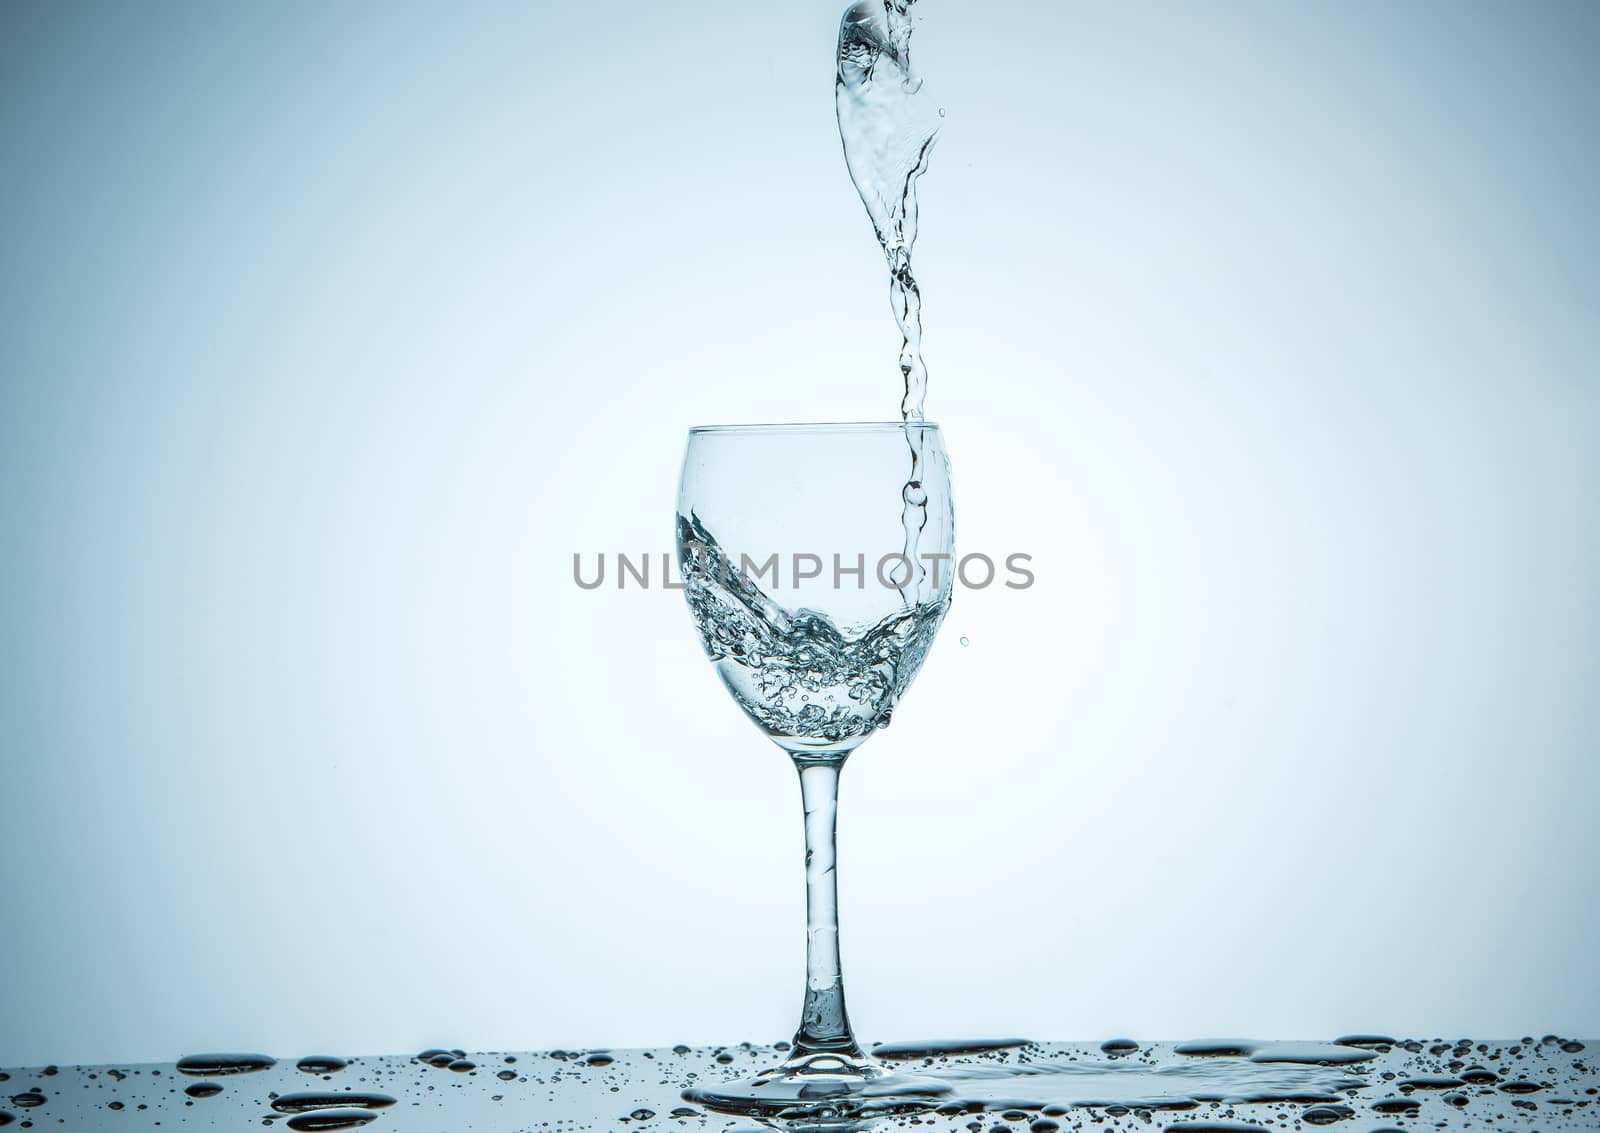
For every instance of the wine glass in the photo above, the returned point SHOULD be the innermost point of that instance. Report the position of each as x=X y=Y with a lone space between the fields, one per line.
x=817 y=563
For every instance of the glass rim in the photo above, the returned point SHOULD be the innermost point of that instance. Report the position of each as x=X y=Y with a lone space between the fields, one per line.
x=815 y=427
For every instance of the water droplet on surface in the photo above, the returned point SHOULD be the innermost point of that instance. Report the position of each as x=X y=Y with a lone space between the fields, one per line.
x=314 y=1100
x=462 y=1065
x=1218 y=1048
x=506 y=1075
x=321 y=1064
x=32 y=1099
x=944 y=1048
x=1311 y=1054
x=1008 y=1086
x=966 y=641
x=1116 y=1047
x=642 y=1114
x=1396 y=1105
x=1326 y=1114
x=328 y=1120
x=216 y=1065
x=1378 y=1042
x=1431 y=1082
x=600 y=1060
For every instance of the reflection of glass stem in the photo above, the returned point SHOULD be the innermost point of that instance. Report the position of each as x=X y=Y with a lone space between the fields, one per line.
x=824 y=1025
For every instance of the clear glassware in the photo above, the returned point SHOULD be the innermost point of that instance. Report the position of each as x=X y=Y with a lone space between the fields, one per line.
x=817 y=562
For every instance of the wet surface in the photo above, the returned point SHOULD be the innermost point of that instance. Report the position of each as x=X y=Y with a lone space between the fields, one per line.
x=1360 y=1082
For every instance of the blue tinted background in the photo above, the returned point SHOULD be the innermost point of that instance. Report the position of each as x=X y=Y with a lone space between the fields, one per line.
x=330 y=331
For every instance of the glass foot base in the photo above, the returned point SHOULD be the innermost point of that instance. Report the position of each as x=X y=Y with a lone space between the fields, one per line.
x=828 y=1093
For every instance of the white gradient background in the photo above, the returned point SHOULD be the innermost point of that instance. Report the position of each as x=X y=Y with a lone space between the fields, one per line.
x=329 y=332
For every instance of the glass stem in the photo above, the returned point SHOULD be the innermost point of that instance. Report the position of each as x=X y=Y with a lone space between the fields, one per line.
x=824 y=1026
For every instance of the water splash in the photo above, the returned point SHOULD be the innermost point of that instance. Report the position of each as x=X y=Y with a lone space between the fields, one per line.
x=802 y=679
